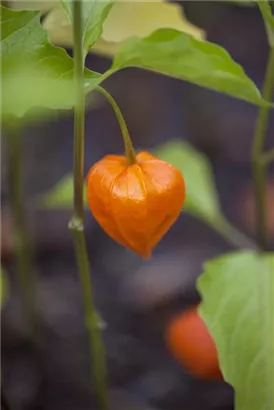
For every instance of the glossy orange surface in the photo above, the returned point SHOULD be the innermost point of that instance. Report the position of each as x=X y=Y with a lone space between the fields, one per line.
x=191 y=344
x=135 y=204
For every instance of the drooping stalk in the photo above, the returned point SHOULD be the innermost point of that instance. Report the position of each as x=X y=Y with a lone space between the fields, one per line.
x=77 y=222
x=268 y=156
x=259 y=166
x=129 y=150
x=233 y=236
x=22 y=240
x=229 y=232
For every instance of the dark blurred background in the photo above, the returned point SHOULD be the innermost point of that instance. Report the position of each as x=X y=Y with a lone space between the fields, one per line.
x=135 y=299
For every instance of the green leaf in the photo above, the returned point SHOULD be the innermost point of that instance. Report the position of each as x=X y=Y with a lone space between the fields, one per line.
x=44 y=5
x=3 y=284
x=266 y=12
x=201 y=195
x=94 y=13
x=180 y=55
x=61 y=195
x=238 y=308
x=268 y=18
x=141 y=18
x=246 y=3
x=34 y=73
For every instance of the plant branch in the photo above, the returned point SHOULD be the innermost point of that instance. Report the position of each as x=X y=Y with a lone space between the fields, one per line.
x=92 y=320
x=79 y=112
x=77 y=222
x=232 y=235
x=22 y=242
x=129 y=150
x=265 y=10
x=102 y=78
x=259 y=168
x=4 y=401
x=268 y=156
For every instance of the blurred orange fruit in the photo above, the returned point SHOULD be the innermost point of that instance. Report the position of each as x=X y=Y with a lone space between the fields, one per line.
x=192 y=345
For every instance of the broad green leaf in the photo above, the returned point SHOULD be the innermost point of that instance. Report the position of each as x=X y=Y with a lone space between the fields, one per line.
x=3 y=284
x=238 y=308
x=59 y=28
x=94 y=13
x=201 y=195
x=180 y=55
x=43 y=6
x=61 y=195
x=247 y=3
x=139 y=19
x=34 y=73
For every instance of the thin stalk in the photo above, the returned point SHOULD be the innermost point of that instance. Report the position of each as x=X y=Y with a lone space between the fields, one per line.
x=233 y=236
x=129 y=150
x=3 y=398
x=268 y=156
x=4 y=402
x=77 y=222
x=22 y=242
x=259 y=167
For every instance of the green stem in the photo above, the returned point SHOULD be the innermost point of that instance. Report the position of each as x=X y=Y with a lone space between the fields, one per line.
x=79 y=112
x=92 y=320
x=22 y=242
x=77 y=222
x=268 y=156
x=259 y=167
x=129 y=150
x=3 y=398
x=232 y=235
x=263 y=6
x=4 y=402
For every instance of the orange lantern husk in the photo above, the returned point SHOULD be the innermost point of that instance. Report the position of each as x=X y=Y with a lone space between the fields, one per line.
x=135 y=204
